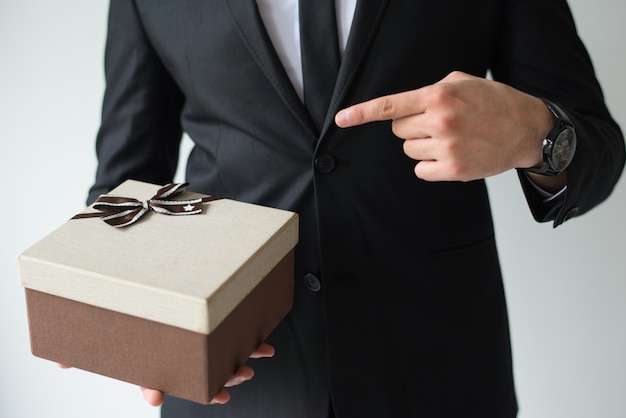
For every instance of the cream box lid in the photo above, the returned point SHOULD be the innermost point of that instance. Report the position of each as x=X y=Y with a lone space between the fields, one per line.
x=185 y=271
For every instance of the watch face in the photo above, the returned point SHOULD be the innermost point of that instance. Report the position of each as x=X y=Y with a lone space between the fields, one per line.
x=563 y=149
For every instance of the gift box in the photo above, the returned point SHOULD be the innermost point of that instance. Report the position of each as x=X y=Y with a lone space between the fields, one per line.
x=175 y=303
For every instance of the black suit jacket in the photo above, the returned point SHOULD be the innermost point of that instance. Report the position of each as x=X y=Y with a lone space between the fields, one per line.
x=410 y=319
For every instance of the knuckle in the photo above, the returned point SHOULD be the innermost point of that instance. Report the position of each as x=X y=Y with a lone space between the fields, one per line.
x=447 y=122
x=450 y=147
x=448 y=98
x=456 y=74
x=442 y=94
x=360 y=115
x=386 y=108
x=450 y=117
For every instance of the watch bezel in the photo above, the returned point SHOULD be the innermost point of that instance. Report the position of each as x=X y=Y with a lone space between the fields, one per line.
x=561 y=124
x=565 y=139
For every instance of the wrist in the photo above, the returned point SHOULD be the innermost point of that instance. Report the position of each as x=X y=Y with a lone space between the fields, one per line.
x=543 y=122
x=558 y=145
x=549 y=184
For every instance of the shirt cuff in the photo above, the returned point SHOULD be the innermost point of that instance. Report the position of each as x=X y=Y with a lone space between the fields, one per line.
x=546 y=197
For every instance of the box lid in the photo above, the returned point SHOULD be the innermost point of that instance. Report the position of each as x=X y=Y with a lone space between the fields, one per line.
x=185 y=271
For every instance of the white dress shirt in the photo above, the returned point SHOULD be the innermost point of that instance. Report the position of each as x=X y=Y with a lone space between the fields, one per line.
x=281 y=22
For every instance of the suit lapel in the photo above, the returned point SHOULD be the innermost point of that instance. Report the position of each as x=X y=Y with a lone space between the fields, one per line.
x=248 y=21
x=252 y=30
x=366 y=20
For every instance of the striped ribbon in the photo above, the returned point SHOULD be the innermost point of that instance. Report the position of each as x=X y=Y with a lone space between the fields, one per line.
x=124 y=211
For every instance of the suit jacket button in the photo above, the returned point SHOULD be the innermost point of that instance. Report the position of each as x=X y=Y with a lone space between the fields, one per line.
x=325 y=163
x=312 y=282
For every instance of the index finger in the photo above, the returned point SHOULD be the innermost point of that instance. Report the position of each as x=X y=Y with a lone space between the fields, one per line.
x=382 y=108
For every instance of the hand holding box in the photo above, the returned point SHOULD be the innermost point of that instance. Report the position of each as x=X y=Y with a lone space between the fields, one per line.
x=171 y=303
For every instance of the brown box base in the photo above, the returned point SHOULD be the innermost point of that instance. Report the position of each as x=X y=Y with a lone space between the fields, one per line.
x=181 y=363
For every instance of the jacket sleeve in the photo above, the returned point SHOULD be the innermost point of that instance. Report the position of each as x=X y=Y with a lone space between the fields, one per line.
x=539 y=52
x=140 y=132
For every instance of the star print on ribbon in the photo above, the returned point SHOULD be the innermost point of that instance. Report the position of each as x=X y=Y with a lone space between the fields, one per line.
x=124 y=211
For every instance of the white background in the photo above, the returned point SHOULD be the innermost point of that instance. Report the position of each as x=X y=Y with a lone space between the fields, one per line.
x=566 y=287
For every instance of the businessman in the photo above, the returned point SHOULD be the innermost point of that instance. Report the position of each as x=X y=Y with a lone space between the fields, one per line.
x=380 y=137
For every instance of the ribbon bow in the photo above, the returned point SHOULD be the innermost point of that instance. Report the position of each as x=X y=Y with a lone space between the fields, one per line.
x=124 y=211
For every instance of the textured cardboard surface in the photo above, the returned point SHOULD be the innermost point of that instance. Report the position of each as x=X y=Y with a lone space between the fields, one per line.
x=184 y=271
x=180 y=362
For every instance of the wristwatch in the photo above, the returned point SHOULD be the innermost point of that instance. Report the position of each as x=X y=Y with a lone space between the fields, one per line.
x=559 y=146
